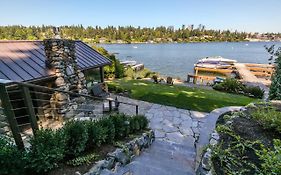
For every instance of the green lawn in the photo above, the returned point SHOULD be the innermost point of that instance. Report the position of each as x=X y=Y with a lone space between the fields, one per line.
x=179 y=96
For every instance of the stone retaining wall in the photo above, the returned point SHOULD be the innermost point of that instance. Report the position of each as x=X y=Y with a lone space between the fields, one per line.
x=122 y=156
x=206 y=165
x=4 y=125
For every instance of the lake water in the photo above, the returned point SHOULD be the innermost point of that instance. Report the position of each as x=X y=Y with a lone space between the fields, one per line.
x=177 y=60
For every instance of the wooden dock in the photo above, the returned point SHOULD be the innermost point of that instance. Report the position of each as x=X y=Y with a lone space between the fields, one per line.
x=221 y=71
x=248 y=72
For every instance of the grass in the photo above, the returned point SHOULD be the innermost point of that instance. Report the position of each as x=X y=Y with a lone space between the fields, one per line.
x=180 y=96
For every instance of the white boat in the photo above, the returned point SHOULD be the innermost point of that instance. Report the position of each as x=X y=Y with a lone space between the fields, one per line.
x=218 y=59
x=128 y=63
x=213 y=66
x=215 y=62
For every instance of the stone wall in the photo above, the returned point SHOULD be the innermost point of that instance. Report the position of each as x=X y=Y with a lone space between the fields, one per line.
x=4 y=126
x=61 y=59
x=122 y=156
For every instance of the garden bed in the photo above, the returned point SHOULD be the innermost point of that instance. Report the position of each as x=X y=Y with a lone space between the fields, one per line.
x=77 y=146
x=247 y=143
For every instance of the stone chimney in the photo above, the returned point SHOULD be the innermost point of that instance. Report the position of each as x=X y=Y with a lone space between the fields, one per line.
x=60 y=57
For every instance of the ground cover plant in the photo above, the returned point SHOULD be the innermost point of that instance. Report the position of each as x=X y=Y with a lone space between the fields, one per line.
x=247 y=144
x=178 y=96
x=74 y=147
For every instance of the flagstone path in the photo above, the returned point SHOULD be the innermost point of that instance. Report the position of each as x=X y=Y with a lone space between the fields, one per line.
x=177 y=132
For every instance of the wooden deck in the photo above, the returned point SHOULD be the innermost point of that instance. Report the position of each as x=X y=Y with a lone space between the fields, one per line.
x=222 y=71
x=249 y=72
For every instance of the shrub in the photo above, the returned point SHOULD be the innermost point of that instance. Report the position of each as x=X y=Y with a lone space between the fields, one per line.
x=119 y=69
x=268 y=117
x=11 y=159
x=96 y=134
x=254 y=91
x=143 y=122
x=121 y=125
x=134 y=124
x=232 y=85
x=138 y=123
x=108 y=125
x=130 y=73
x=76 y=137
x=46 y=151
x=271 y=159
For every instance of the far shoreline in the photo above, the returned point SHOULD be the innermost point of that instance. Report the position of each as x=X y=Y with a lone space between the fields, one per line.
x=248 y=41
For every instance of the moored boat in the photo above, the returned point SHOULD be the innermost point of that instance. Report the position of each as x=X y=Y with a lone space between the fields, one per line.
x=215 y=62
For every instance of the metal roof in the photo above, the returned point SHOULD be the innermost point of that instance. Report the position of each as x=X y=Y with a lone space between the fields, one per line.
x=25 y=60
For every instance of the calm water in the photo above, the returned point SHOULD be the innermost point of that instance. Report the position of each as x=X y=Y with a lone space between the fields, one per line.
x=178 y=59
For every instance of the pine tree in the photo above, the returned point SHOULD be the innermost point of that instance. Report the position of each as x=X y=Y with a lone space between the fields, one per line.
x=275 y=87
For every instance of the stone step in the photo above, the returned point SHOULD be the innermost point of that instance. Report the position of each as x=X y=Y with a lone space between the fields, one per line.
x=190 y=153
x=167 y=154
x=168 y=145
x=174 y=161
x=145 y=168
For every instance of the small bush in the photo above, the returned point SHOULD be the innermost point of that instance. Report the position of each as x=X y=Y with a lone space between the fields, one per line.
x=254 y=91
x=121 y=125
x=76 y=137
x=96 y=134
x=271 y=159
x=47 y=150
x=108 y=125
x=143 y=122
x=268 y=117
x=138 y=123
x=232 y=85
x=130 y=73
x=134 y=124
x=11 y=159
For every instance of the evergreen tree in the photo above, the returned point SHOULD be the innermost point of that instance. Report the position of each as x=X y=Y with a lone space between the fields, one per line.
x=275 y=87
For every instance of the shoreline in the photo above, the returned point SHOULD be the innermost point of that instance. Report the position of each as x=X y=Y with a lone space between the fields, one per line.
x=246 y=41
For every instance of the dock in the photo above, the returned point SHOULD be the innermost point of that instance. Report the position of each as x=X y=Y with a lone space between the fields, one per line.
x=248 y=73
x=222 y=71
x=133 y=64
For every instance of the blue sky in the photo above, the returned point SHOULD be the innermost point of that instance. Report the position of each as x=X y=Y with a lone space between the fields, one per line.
x=243 y=15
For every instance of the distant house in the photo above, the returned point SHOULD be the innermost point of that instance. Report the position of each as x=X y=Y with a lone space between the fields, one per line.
x=25 y=61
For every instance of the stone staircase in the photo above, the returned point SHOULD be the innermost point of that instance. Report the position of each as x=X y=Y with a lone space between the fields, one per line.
x=163 y=158
x=172 y=153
